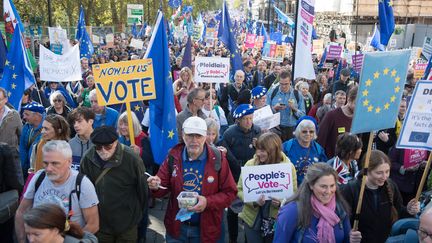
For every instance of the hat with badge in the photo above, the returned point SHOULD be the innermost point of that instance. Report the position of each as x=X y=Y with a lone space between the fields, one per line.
x=104 y=135
x=258 y=92
x=243 y=110
x=35 y=107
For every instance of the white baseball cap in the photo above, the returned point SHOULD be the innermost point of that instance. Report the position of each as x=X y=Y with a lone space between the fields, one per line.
x=195 y=125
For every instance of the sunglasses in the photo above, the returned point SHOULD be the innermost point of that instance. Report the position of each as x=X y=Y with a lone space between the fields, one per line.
x=58 y=101
x=308 y=131
x=106 y=147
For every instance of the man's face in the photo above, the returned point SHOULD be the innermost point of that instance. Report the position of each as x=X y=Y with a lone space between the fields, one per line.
x=344 y=78
x=95 y=105
x=30 y=117
x=248 y=68
x=239 y=78
x=277 y=70
x=84 y=64
x=246 y=122
x=425 y=228
x=340 y=100
x=107 y=151
x=402 y=108
x=261 y=66
x=285 y=85
x=260 y=102
x=199 y=100
x=56 y=166
x=194 y=144
x=83 y=127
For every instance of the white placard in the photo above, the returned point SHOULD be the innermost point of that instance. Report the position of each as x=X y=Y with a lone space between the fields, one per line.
x=416 y=131
x=212 y=70
x=138 y=44
x=58 y=36
x=60 y=68
x=269 y=122
x=95 y=39
x=261 y=113
x=274 y=180
x=427 y=47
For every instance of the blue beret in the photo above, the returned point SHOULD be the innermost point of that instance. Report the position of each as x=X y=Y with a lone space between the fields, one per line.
x=35 y=107
x=258 y=92
x=243 y=110
x=308 y=118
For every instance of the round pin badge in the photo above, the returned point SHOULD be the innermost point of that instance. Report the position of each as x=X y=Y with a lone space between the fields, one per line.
x=210 y=179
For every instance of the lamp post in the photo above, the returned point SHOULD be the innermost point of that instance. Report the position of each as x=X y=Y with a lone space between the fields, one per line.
x=49 y=14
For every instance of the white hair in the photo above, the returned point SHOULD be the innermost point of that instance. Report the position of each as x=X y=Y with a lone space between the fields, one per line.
x=56 y=94
x=305 y=124
x=92 y=93
x=60 y=146
x=328 y=97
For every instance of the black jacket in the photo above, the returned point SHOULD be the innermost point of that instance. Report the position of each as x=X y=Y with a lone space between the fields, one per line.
x=10 y=169
x=375 y=222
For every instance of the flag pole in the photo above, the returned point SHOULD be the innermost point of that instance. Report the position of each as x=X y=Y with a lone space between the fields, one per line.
x=424 y=176
x=295 y=40
x=363 y=184
x=130 y=123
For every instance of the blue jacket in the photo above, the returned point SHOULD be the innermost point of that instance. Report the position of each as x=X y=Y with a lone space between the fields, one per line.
x=107 y=118
x=28 y=137
x=287 y=229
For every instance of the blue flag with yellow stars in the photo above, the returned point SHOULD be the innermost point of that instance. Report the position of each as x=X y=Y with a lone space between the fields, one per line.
x=382 y=83
x=86 y=46
x=226 y=35
x=386 y=20
x=162 y=128
x=17 y=75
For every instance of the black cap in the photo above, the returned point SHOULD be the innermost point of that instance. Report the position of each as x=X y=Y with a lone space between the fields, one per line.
x=104 y=135
x=345 y=72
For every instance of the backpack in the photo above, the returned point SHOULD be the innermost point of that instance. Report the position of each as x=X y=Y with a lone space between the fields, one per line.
x=296 y=94
x=217 y=165
x=77 y=189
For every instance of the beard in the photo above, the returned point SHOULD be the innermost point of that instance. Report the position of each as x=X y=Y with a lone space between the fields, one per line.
x=104 y=155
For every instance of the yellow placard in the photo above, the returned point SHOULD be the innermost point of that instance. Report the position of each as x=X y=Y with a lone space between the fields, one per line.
x=121 y=82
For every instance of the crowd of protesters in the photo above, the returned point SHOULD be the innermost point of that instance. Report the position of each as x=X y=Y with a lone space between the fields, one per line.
x=81 y=178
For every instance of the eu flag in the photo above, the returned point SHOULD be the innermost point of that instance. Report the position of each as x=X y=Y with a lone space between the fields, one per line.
x=283 y=17
x=376 y=40
x=226 y=35
x=163 y=132
x=382 y=82
x=134 y=30
x=86 y=46
x=18 y=75
x=386 y=20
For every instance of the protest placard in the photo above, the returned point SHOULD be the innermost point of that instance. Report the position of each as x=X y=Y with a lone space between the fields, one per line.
x=357 y=62
x=212 y=70
x=121 y=82
x=109 y=38
x=265 y=119
x=273 y=180
x=250 y=40
x=259 y=41
x=413 y=157
x=417 y=127
x=59 y=43
x=318 y=46
x=419 y=68
x=427 y=48
x=135 y=43
x=59 y=68
x=334 y=52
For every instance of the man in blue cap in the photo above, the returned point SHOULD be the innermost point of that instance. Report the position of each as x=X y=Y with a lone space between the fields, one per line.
x=259 y=98
x=33 y=114
x=238 y=140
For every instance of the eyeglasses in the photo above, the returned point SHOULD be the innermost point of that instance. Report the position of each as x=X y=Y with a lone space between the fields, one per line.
x=106 y=146
x=58 y=101
x=423 y=234
x=202 y=99
x=306 y=131
x=284 y=84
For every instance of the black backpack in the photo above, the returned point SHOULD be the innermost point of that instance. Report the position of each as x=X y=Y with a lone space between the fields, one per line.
x=77 y=189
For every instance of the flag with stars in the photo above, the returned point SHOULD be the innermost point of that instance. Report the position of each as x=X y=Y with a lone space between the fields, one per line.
x=382 y=83
x=86 y=46
x=226 y=35
x=162 y=128
x=18 y=75
x=386 y=20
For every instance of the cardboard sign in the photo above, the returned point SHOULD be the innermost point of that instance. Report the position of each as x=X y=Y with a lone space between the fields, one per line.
x=265 y=119
x=250 y=40
x=318 y=46
x=137 y=44
x=417 y=127
x=427 y=47
x=413 y=157
x=212 y=70
x=121 y=82
x=60 y=68
x=274 y=180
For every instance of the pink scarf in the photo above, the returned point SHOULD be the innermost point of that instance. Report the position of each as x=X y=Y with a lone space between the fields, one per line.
x=327 y=219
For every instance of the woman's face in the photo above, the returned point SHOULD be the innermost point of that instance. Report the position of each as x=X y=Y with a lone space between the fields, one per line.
x=185 y=76
x=304 y=91
x=211 y=136
x=48 y=131
x=35 y=235
x=262 y=156
x=123 y=129
x=58 y=102
x=379 y=175
x=90 y=82
x=324 y=188
x=306 y=135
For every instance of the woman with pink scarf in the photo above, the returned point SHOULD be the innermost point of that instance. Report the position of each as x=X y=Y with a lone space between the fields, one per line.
x=317 y=212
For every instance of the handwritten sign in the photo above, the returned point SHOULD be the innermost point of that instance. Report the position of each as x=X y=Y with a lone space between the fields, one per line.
x=417 y=127
x=59 y=68
x=137 y=44
x=274 y=180
x=419 y=68
x=212 y=70
x=121 y=82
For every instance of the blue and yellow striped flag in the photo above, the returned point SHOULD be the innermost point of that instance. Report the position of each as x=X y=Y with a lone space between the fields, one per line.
x=381 y=87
